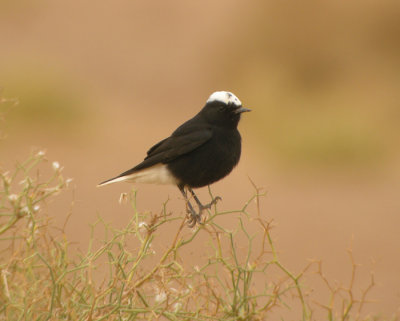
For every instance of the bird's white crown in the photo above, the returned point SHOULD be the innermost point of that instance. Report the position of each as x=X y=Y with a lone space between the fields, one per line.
x=225 y=97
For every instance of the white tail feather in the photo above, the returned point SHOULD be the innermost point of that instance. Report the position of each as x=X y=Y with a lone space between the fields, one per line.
x=111 y=181
x=157 y=174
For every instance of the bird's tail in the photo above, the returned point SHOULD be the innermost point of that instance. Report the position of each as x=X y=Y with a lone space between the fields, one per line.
x=157 y=174
x=113 y=180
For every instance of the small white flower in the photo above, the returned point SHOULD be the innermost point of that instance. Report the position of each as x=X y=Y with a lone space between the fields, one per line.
x=12 y=198
x=160 y=297
x=41 y=153
x=123 y=198
x=196 y=268
x=142 y=226
x=36 y=208
x=177 y=306
x=68 y=181
x=25 y=210
x=7 y=180
x=56 y=166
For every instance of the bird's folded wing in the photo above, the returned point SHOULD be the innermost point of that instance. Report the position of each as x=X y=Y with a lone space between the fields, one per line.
x=177 y=145
x=171 y=148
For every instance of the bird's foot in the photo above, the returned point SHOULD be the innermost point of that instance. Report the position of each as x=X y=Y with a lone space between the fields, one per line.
x=195 y=218
x=192 y=216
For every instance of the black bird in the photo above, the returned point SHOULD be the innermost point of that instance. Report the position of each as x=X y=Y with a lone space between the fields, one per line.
x=198 y=153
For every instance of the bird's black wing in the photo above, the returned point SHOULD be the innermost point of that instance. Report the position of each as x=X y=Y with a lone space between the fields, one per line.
x=153 y=148
x=179 y=143
x=193 y=129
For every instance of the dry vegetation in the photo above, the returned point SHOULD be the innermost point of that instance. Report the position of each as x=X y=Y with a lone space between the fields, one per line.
x=42 y=280
x=123 y=277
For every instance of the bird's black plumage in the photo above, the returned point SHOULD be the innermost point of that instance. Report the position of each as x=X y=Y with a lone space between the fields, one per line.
x=199 y=152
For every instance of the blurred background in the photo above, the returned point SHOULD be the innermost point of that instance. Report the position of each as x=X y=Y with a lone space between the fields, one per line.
x=100 y=82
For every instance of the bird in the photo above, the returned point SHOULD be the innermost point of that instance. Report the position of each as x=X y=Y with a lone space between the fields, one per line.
x=200 y=152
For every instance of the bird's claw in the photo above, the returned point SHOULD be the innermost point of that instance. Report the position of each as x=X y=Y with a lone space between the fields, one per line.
x=194 y=218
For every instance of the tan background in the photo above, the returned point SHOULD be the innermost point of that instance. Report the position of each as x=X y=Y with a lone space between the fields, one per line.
x=99 y=82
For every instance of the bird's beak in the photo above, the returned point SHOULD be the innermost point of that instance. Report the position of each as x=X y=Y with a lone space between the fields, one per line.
x=242 y=110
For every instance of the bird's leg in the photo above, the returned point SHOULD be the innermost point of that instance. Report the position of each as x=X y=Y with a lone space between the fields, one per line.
x=201 y=206
x=193 y=216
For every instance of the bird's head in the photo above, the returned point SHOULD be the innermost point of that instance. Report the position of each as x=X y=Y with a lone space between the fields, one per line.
x=224 y=108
